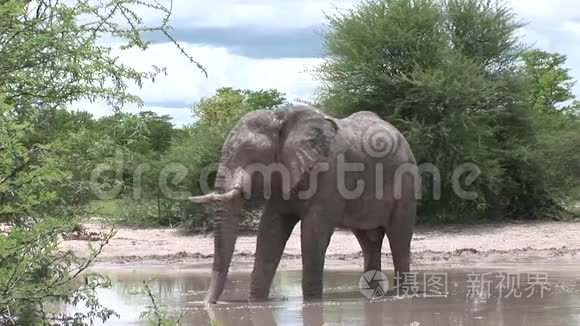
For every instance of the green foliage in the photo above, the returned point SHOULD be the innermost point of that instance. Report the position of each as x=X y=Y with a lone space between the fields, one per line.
x=141 y=213
x=556 y=121
x=200 y=147
x=156 y=314
x=550 y=81
x=23 y=173
x=144 y=133
x=33 y=272
x=229 y=105
x=449 y=74
x=161 y=166
x=52 y=57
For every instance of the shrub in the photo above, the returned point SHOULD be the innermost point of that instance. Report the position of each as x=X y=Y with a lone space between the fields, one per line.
x=456 y=79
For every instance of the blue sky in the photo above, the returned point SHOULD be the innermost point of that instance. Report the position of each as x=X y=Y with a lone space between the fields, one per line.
x=258 y=44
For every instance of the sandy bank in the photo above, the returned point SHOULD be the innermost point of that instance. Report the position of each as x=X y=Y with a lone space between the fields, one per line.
x=449 y=245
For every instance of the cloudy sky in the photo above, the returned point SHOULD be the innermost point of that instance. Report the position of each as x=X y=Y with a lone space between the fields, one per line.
x=258 y=44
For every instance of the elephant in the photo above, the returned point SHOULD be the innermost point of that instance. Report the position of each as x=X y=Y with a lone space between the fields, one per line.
x=306 y=148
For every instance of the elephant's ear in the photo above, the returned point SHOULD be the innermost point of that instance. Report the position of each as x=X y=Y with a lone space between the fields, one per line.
x=307 y=139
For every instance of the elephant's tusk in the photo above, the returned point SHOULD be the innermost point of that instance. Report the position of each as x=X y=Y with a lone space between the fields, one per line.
x=214 y=197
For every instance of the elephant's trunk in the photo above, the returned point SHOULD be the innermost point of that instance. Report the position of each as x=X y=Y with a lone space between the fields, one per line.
x=226 y=223
x=225 y=234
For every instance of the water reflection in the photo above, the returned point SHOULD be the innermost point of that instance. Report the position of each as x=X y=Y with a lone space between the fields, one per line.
x=183 y=292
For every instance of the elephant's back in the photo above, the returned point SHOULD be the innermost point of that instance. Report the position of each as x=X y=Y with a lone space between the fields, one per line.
x=385 y=155
x=376 y=139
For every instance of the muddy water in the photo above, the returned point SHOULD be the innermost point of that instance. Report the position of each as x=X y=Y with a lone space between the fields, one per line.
x=468 y=299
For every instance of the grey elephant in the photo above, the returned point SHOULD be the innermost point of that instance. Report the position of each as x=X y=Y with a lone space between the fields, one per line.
x=357 y=173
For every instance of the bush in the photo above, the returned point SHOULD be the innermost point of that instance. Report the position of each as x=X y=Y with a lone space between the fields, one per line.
x=140 y=213
x=42 y=176
x=454 y=77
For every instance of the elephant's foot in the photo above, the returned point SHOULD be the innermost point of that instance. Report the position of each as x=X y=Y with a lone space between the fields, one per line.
x=312 y=298
x=312 y=295
x=258 y=296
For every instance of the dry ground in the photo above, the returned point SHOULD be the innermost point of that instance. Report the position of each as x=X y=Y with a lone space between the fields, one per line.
x=446 y=245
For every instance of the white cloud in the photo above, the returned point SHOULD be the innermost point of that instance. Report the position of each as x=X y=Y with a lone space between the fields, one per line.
x=573 y=28
x=97 y=109
x=267 y=13
x=180 y=115
x=546 y=10
x=185 y=83
x=552 y=26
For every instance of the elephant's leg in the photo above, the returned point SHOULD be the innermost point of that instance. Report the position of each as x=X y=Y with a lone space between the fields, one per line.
x=400 y=232
x=316 y=231
x=371 y=242
x=400 y=242
x=273 y=233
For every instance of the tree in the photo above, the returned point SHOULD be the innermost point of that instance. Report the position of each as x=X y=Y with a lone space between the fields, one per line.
x=145 y=133
x=51 y=57
x=551 y=82
x=160 y=131
x=449 y=75
x=216 y=116
x=151 y=146
x=229 y=105
x=556 y=122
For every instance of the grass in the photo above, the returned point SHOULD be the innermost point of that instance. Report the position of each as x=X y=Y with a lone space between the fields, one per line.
x=132 y=213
